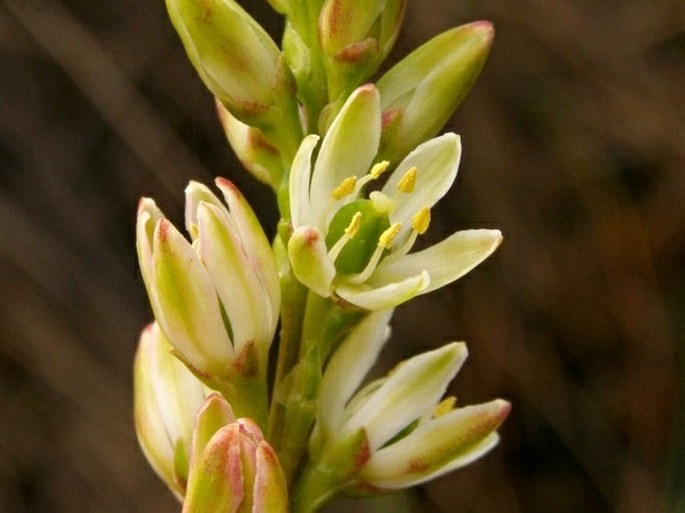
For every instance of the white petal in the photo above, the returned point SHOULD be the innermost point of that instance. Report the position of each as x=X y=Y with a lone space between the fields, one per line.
x=196 y=193
x=300 y=178
x=379 y=475
x=436 y=162
x=150 y=428
x=443 y=444
x=413 y=388
x=179 y=392
x=257 y=249
x=167 y=396
x=445 y=262
x=188 y=307
x=348 y=367
x=310 y=261
x=349 y=147
x=148 y=217
x=379 y=294
x=236 y=283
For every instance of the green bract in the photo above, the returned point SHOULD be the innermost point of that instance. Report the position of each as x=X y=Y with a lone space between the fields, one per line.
x=367 y=261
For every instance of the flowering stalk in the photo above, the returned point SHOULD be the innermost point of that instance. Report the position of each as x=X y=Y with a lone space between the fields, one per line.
x=355 y=195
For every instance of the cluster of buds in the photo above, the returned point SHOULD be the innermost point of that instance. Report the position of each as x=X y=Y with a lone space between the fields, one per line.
x=194 y=442
x=357 y=168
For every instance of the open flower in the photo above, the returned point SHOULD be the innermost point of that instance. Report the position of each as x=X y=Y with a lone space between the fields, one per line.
x=398 y=430
x=356 y=246
x=217 y=299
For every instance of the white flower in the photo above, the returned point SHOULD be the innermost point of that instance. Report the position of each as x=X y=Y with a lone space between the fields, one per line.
x=410 y=435
x=356 y=247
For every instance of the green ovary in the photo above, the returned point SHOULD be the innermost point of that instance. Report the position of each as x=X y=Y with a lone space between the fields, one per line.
x=357 y=252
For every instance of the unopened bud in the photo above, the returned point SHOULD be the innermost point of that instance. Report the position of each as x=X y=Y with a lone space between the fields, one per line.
x=422 y=91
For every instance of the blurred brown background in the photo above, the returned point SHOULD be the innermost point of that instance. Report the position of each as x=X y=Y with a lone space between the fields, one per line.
x=574 y=146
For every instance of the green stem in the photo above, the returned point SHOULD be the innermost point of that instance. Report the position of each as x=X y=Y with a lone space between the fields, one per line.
x=323 y=327
x=301 y=386
x=294 y=297
x=248 y=397
x=335 y=469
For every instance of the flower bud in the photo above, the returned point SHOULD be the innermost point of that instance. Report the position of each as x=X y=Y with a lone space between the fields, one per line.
x=238 y=472
x=421 y=92
x=234 y=56
x=252 y=148
x=355 y=37
x=217 y=299
x=214 y=414
x=166 y=398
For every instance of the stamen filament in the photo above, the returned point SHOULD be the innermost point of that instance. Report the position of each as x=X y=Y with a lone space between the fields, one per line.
x=376 y=171
x=350 y=232
x=384 y=242
x=419 y=225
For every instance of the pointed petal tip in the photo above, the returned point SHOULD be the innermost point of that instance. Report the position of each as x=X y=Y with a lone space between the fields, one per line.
x=460 y=348
x=485 y=27
x=498 y=237
x=368 y=90
x=310 y=235
x=224 y=183
x=504 y=408
x=148 y=330
x=146 y=203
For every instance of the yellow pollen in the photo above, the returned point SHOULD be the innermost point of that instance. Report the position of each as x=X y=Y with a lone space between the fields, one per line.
x=445 y=406
x=408 y=181
x=354 y=225
x=193 y=230
x=388 y=236
x=345 y=188
x=421 y=220
x=378 y=169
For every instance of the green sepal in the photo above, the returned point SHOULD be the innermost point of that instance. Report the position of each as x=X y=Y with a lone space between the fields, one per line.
x=336 y=470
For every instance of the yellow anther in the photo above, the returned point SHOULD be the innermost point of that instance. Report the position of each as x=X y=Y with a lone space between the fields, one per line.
x=354 y=225
x=408 y=181
x=193 y=230
x=388 y=236
x=378 y=169
x=421 y=220
x=346 y=187
x=445 y=406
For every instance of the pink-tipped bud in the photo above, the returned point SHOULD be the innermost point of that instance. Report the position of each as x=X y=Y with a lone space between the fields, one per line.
x=237 y=472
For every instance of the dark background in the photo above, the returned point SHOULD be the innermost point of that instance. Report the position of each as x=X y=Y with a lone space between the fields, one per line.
x=574 y=147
